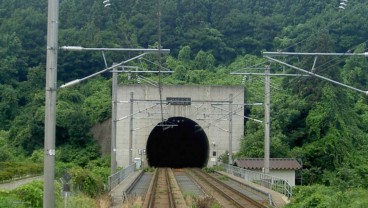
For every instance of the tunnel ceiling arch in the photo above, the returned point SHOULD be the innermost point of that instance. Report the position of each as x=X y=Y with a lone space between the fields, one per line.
x=178 y=142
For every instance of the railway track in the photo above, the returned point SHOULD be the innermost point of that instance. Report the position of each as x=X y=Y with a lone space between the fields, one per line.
x=224 y=194
x=166 y=188
x=164 y=191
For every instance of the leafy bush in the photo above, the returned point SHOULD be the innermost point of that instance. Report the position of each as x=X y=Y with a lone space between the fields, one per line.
x=86 y=181
x=89 y=171
x=320 y=196
x=100 y=167
x=61 y=168
x=28 y=195
x=5 y=176
x=8 y=199
x=37 y=156
x=10 y=170
x=218 y=168
x=6 y=153
x=208 y=169
x=77 y=201
x=78 y=155
x=31 y=193
x=223 y=178
x=149 y=169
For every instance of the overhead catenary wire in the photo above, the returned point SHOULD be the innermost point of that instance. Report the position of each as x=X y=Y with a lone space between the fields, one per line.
x=267 y=103
x=337 y=59
x=241 y=108
x=139 y=111
x=338 y=19
x=319 y=76
x=167 y=69
x=317 y=32
x=159 y=56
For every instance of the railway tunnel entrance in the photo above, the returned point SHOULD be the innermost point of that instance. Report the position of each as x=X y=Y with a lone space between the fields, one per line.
x=178 y=142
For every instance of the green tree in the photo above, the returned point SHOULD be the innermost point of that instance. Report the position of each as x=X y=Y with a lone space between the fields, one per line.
x=185 y=56
x=8 y=105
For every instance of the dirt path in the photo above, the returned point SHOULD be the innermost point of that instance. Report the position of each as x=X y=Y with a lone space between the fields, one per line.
x=14 y=184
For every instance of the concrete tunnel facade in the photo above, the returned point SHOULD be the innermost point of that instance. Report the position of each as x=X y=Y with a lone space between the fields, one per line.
x=195 y=130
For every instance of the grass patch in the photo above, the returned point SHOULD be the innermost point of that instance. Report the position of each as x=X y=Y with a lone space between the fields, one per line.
x=223 y=178
x=149 y=170
x=133 y=202
x=205 y=202
x=208 y=169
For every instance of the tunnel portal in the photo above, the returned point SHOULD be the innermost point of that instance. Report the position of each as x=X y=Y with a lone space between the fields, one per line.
x=178 y=142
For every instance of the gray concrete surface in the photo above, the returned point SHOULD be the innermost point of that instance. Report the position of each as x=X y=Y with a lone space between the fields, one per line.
x=117 y=194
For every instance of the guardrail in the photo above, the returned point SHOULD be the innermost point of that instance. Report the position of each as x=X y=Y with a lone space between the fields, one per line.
x=119 y=176
x=270 y=182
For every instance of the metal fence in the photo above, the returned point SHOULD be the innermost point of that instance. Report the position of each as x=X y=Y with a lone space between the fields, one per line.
x=119 y=176
x=270 y=182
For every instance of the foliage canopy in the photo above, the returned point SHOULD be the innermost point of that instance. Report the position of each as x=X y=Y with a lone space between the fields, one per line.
x=323 y=125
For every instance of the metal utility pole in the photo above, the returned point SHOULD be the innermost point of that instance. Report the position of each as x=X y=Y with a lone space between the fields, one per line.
x=131 y=128
x=50 y=105
x=268 y=55
x=230 y=129
x=114 y=121
x=267 y=122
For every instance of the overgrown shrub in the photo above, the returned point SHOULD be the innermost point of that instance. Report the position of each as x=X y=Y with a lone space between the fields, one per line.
x=31 y=193
x=77 y=201
x=10 y=170
x=149 y=169
x=208 y=169
x=86 y=181
x=323 y=197
x=204 y=202
x=8 y=199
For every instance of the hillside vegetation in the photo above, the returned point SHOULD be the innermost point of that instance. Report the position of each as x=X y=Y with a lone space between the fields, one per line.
x=324 y=125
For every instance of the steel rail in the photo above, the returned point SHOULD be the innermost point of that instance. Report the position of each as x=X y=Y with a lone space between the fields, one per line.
x=226 y=191
x=160 y=190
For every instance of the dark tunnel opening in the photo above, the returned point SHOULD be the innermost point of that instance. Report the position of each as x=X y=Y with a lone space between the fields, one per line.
x=177 y=143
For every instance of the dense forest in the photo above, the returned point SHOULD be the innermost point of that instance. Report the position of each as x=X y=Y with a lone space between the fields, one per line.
x=323 y=125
